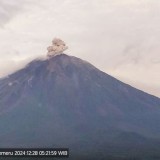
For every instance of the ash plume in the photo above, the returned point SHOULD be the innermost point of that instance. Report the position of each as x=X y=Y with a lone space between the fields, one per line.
x=57 y=47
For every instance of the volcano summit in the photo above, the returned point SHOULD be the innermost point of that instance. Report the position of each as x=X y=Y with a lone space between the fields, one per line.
x=67 y=102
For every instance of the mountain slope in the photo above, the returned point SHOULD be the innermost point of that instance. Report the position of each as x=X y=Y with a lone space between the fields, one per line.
x=67 y=102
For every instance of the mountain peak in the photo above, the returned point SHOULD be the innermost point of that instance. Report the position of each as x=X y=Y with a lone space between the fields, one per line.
x=60 y=62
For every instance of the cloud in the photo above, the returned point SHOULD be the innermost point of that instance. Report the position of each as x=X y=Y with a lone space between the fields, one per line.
x=8 y=9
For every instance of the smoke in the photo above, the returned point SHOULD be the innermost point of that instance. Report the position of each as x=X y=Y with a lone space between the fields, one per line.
x=58 y=46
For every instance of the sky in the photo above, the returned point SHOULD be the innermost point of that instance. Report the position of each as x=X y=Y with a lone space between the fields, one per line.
x=120 y=37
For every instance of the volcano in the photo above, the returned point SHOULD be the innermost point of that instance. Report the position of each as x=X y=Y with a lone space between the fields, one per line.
x=66 y=102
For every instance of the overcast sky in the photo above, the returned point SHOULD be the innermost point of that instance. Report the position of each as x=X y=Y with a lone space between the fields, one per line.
x=120 y=37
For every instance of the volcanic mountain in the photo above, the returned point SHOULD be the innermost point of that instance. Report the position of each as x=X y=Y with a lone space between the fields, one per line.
x=65 y=102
